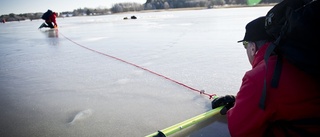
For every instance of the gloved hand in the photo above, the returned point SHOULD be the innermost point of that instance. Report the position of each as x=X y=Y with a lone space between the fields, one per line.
x=227 y=101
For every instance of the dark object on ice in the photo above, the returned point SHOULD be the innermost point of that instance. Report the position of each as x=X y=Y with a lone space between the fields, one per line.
x=50 y=20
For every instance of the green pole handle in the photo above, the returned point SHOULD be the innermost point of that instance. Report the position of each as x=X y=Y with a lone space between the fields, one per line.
x=185 y=124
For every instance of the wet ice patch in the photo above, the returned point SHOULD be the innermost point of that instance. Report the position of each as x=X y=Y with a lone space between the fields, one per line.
x=147 y=64
x=81 y=115
x=185 y=24
x=123 y=81
x=138 y=72
x=155 y=56
x=95 y=39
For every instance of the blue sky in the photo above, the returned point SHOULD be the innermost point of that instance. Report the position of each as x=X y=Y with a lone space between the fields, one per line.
x=32 y=6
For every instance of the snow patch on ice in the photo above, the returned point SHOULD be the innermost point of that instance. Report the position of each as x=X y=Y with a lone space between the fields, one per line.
x=81 y=115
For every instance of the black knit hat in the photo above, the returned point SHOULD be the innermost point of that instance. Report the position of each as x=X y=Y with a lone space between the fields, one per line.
x=255 y=30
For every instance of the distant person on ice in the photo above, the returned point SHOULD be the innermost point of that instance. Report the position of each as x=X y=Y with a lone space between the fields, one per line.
x=50 y=20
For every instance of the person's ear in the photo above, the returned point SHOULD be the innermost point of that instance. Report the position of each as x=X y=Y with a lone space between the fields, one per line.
x=252 y=49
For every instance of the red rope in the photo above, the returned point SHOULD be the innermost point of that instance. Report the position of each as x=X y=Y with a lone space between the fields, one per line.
x=200 y=91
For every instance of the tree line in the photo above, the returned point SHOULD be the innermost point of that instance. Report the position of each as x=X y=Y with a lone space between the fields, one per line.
x=132 y=6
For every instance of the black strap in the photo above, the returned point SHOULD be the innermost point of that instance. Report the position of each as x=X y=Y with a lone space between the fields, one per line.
x=269 y=51
x=277 y=72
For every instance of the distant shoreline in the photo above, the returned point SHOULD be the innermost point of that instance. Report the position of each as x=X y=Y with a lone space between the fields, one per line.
x=198 y=8
x=22 y=18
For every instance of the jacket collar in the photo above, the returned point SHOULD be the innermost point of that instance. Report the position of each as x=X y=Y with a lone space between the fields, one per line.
x=260 y=55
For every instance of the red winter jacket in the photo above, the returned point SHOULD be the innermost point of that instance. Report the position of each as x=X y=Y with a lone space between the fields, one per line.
x=296 y=97
x=52 y=18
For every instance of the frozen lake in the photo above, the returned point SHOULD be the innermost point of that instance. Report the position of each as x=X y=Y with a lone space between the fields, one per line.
x=82 y=80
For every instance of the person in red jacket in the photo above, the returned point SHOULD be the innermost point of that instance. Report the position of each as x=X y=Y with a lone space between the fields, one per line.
x=291 y=109
x=50 y=20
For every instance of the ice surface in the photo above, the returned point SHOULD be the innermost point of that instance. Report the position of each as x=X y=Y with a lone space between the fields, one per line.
x=51 y=78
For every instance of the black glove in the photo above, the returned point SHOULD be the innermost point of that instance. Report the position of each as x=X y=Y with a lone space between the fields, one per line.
x=227 y=101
